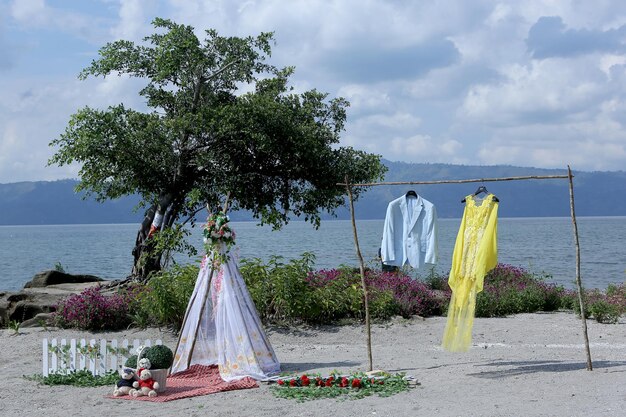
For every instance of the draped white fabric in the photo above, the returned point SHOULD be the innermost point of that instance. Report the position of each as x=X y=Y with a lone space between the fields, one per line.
x=225 y=326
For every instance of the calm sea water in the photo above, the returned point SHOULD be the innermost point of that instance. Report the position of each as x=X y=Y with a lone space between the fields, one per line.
x=543 y=245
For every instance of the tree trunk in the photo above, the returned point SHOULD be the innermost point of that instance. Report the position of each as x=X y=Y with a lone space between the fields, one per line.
x=146 y=260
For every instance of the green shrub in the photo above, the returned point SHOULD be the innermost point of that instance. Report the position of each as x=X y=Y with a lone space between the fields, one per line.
x=131 y=362
x=605 y=312
x=160 y=356
x=512 y=290
x=279 y=290
x=383 y=305
x=569 y=301
x=337 y=299
x=605 y=307
x=436 y=281
x=166 y=297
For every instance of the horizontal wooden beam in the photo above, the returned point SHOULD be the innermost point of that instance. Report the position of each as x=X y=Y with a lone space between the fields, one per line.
x=529 y=177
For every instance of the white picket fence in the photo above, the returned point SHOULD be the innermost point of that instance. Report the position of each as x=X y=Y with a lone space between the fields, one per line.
x=97 y=356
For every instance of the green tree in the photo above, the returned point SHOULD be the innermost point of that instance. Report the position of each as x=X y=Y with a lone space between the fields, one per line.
x=222 y=121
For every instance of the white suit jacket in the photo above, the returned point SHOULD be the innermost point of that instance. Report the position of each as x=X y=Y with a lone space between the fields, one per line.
x=410 y=233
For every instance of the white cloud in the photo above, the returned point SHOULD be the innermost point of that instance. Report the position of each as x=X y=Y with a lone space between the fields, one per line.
x=37 y=14
x=134 y=19
x=365 y=98
x=482 y=98
x=540 y=92
x=424 y=148
x=31 y=11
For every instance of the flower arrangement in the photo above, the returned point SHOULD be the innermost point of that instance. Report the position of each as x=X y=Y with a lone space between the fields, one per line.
x=217 y=232
x=357 y=385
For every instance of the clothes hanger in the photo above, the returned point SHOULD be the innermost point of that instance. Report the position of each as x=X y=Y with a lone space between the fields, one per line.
x=411 y=193
x=482 y=189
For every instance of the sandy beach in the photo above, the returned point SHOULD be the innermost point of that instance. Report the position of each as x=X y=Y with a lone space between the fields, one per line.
x=525 y=365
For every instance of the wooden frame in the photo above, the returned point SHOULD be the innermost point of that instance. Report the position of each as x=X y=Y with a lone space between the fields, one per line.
x=569 y=177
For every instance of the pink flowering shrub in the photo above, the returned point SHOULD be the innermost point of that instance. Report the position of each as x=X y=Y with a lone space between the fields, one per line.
x=410 y=296
x=508 y=289
x=389 y=293
x=92 y=310
x=604 y=306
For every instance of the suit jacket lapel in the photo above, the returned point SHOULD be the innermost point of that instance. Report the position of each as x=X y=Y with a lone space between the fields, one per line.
x=416 y=212
x=405 y=210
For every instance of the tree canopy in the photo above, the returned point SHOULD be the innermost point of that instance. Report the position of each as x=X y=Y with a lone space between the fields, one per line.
x=221 y=121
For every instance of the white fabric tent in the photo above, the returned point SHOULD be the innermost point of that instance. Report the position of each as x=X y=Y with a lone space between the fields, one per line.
x=222 y=326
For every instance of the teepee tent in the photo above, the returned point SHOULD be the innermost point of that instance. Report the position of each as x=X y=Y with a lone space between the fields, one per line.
x=221 y=325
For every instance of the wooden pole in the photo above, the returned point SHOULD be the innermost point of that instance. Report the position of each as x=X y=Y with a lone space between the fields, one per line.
x=578 y=279
x=528 y=177
x=204 y=299
x=363 y=283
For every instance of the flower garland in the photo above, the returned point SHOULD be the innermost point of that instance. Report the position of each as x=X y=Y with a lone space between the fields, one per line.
x=358 y=385
x=217 y=232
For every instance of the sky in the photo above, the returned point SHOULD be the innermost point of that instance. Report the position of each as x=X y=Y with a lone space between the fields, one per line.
x=529 y=83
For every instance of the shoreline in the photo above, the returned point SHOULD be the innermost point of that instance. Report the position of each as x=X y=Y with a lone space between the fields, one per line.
x=528 y=364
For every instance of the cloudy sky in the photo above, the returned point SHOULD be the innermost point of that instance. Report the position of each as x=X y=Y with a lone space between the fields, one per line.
x=530 y=83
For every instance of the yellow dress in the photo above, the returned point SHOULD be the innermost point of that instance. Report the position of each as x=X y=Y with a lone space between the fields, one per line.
x=475 y=254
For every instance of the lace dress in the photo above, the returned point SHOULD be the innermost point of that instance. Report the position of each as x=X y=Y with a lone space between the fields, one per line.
x=475 y=254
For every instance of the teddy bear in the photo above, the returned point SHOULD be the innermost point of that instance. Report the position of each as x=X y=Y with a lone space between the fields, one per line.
x=125 y=384
x=145 y=386
x=144 y=363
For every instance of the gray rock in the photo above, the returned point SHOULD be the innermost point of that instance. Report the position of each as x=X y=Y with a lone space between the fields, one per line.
x=47 y=278
x=41 y=319
x=41 y=296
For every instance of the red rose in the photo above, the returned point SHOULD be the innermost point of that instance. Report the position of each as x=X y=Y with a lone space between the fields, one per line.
x=344 y=382
x=293 y=383
x=356 y=383
x=281 y=382
x=319 y=382
x=329 y=381
x=305 y=381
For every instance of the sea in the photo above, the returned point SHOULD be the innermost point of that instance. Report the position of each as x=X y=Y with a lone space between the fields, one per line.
x=544 y=246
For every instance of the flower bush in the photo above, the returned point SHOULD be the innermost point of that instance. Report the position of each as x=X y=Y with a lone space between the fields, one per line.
x=410 y=296
x=357 y=385
x=509 y=289
x=294 y=292
x=92 y=310
x=605 y=307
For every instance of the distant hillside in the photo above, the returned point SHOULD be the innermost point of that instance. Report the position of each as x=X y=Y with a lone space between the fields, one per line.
x=597 y=194
x=56 y=202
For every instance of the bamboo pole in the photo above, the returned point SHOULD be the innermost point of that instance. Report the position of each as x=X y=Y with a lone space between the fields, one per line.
x=578 y=279
x=528 y=177
x=204 y=299
x=363 y=284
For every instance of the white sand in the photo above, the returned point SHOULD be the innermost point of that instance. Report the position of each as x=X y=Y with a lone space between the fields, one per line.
x=527 y=365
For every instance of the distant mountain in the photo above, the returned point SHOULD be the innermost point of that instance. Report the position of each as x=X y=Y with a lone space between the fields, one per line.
x=56 y=202
x=597 y=194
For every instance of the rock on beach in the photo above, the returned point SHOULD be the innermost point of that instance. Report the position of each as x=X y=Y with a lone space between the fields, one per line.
x=39 y=297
